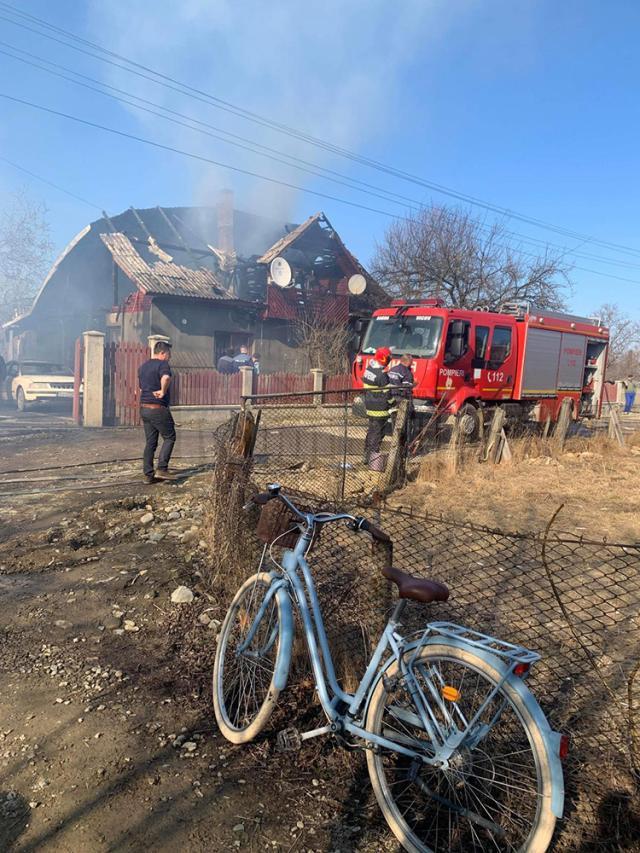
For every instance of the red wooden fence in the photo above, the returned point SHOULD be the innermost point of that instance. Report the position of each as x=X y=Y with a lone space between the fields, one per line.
x=283 y=383
x=127 y=360
x=205 y=388
x=190 y=387
x=337 y=383
x=78 y=365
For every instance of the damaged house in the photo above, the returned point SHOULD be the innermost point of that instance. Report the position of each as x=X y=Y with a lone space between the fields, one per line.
x=210 y=279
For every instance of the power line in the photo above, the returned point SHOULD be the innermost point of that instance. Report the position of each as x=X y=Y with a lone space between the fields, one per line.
x=250 y=173
x=193 y=155
x=50 y=183
x=254 y=147
x=165 y=80
x=266 y=151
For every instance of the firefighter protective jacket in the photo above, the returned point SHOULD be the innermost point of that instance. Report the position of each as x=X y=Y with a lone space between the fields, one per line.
x=376 y=391
x=401 y=377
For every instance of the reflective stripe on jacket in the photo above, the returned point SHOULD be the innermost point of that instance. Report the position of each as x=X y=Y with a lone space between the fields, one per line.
x=376 y=391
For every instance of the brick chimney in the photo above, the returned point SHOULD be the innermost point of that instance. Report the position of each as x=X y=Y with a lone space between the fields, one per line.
x=225 y=221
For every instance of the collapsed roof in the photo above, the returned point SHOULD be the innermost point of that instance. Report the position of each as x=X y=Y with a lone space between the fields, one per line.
x=208 y=252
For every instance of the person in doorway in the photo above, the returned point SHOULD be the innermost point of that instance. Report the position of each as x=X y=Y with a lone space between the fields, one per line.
x=629 y=385
x=377 y=400
x=243 y=359
x=226 y=364
x=154 y=377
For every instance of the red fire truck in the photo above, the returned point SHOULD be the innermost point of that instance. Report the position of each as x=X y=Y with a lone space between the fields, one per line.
x=521 y=358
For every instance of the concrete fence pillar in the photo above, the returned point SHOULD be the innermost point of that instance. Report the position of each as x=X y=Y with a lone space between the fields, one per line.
x=93 y=395
x=246 y=374
x=152 y=340
x=318 y=384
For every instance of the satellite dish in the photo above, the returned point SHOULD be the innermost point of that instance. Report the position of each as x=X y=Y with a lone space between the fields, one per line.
x=280 y=272
x=357 y=284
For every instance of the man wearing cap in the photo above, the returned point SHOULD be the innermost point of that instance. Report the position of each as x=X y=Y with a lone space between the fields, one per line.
x=377 y=400
x=154 y=377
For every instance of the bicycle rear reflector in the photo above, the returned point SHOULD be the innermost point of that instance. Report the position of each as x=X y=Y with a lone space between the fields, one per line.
x=565 y=743
x=521 y=669
x=451 y=693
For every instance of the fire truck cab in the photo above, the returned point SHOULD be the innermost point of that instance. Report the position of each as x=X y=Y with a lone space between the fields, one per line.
x=524 y=359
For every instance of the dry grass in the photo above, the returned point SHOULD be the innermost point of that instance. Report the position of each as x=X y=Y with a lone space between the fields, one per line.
x=597 y=481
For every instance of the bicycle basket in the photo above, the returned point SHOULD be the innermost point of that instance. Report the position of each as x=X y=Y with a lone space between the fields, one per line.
x=275 y=521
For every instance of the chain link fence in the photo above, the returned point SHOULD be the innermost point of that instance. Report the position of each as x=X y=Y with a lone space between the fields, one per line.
x=573 y=600
x=313 y=442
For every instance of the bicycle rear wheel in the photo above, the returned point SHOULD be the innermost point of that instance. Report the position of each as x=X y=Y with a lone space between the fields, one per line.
x=244 y=679
x=495 y=795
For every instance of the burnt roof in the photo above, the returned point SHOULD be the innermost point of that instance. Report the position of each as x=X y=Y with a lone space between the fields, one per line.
x=198 y=228
x=161 y=276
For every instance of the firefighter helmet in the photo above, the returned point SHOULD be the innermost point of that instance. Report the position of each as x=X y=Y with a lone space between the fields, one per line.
x=383 y=355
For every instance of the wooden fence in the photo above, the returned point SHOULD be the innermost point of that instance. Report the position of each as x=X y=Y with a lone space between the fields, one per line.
x=282 y=383
x=189 y=387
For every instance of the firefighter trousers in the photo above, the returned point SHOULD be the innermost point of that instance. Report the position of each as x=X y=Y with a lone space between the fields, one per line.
x=375 y=434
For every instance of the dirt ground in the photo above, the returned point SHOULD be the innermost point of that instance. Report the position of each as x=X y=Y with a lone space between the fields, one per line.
x=107 y=737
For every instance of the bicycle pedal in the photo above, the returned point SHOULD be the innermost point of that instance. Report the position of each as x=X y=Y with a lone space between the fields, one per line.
x=289 y=740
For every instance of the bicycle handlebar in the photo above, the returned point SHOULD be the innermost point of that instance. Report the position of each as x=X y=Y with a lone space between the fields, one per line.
x=358 y=523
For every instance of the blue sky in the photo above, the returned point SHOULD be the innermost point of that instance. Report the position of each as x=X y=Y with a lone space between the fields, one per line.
x=532 y=106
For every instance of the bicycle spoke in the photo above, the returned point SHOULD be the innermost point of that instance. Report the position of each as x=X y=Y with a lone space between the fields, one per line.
x=247 y=674
x=488 y=797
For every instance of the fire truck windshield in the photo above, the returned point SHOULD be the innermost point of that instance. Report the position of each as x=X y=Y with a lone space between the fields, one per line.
x=417 y=336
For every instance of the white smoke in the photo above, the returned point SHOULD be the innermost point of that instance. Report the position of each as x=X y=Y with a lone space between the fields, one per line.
x=331 y=69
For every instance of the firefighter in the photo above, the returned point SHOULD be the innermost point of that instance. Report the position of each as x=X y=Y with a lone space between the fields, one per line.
x=377 y=400
x=403 y=381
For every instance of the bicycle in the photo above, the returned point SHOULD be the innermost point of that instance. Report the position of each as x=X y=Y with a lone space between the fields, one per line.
x=460 y=755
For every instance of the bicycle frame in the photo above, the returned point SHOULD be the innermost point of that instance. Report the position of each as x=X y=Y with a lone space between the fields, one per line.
x=397 y=661
x=346 y=711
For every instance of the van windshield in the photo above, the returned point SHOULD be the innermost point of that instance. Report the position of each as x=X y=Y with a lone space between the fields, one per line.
x=417 y=336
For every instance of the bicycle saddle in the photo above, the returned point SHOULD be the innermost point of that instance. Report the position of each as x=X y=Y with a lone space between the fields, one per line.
x=417 y=589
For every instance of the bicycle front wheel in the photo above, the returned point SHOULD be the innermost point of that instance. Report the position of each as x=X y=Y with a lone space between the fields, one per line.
x=496 y=792
x=244 y=673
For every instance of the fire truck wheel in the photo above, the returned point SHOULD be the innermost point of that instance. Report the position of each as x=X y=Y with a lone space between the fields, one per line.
x=469 y=421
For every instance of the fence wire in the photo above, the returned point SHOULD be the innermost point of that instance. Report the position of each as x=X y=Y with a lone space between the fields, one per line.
x=573 y=600
x=314 y=443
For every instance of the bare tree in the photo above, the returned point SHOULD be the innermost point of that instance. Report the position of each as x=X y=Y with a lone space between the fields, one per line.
x=324 y=341
x=25 y=250
x=444 y=252
x=624 y=341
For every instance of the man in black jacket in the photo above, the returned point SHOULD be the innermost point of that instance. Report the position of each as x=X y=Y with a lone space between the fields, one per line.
x=154 y=377
x=377 y=400
x=226 y=364
x=402 y=379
